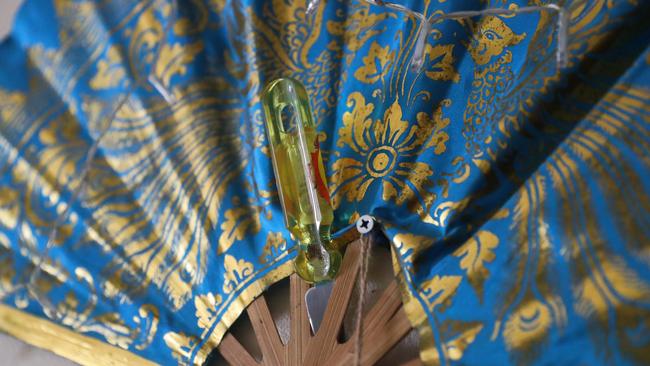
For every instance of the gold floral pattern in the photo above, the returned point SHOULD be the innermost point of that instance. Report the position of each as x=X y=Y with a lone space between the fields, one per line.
x=483 y=179
x=384 y=143
x=439 y=290
x=456 y=337
x=174 y=59
x=441 y=63
x=110 y=71
x=375 y=64
x=237 y=271
x=275 y=247
x=8 y=208
x=206 y=307
x=474 y=254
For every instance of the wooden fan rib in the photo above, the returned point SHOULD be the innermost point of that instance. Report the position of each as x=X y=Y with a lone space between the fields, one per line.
x=389 y=303
x=384 y=326
x=341 y=292
x=322 y=344
x=378 y=342
x=299 y=322
x=234 y=353
x=380 y=331
x=266 y=332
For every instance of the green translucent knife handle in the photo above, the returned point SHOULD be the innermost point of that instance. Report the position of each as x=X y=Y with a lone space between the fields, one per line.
x=300 y=177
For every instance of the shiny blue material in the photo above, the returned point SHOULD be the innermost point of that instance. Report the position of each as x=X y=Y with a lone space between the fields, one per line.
x=515 y=193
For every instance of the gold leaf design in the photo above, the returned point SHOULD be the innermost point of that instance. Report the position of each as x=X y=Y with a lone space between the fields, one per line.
x=408 y=246
x=527 y=324
x=474 y=254
x=383 y=154
x=110 y=71
x=398 y=190
x=218 y=5
x=5 y=244
x=441 y=63
x=355 y=122
x=9 y=207
x=392 y=125
x=7 y=271
x=416 y=243
x=63 y=150
x=27 y=239
x=483 y=165
x=358 y=27
x=606 y=288
x=145 y=37
x=181 y=345
x=55 y=70
x=173 y=60
x=76 y=313
x=173 y=255
x=12 y=104
x=147 y=320
x=236 y=272
x=195 y=23
x=430 y=129
x=378 y=147
x=444 y=210
x=275 y=246
x=206 y=309
x=456 y=336
x=375 y=64
x=239 y=222
x=463 y=337
x=112 y=327
x=439 y=290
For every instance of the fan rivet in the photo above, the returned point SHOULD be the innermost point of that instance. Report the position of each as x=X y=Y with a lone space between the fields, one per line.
x=365 y=224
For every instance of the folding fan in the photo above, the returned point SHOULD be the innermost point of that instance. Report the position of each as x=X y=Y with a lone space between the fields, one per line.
x=139 y=214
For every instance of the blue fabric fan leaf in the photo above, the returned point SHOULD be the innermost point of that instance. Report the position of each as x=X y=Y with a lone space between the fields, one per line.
x=515 y=192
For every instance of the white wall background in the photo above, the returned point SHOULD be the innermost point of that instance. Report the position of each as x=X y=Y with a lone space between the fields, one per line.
x=14 y=352
x=8 y=9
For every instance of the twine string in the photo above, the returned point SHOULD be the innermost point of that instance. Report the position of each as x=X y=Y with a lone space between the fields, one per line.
x=363 y=274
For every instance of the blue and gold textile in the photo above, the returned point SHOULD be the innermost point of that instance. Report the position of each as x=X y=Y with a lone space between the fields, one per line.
x=516 y=194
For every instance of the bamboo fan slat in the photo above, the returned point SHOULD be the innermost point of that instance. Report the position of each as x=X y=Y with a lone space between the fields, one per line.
x=384 y=325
